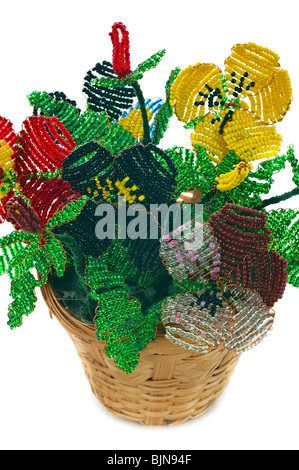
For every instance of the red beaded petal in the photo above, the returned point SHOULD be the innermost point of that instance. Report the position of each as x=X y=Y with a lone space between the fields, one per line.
x=265 y=272
x=239 y=231
x=7 y=133
x=23 y=215
x=121 y=50
x=47 y=196
x=3 y=215
x=44 y=144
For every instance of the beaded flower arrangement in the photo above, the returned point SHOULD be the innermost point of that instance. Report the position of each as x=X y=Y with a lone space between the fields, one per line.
x=212 y=280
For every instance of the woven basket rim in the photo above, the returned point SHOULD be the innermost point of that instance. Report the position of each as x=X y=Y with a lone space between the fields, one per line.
x=70 y=321
x=88 y=330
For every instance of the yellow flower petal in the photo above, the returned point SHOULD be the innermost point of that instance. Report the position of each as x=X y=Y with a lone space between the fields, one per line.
x=249 y=69
x=206 y=134
x=6 y=153
x=134 y=123
x=6 y=164
x=196 y=89
x=232 y=179
x=250 y=138
x=273 y=101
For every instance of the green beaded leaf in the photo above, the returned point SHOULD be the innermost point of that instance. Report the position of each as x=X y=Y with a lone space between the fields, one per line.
x=90 y=126
x=43 y=264
x=121 y=323
x=284 y=224
x=22 y=291
x=190 y=171
x=208 y=170
x=268 y=168
x=84 y=127
x=132 y=77
x=152 y=62
x=294 y=163
x=68 y=213
x=195 y=170
x=260 y=181
x=15 y=256
x=117 y=82
x=19 y=258
x=164 y=114
x=17 y=236
x=56 y=253
x=25 y=257
x=66 y=113
x=22 y=252
x=100 y=279
x=188 y=286
x=83 y=231
x=228 y=163
x=8 y=254
x=249 y=192
x=117 y=138
x=117 y=260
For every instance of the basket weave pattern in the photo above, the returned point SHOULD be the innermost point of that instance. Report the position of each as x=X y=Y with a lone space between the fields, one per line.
x=170 y=384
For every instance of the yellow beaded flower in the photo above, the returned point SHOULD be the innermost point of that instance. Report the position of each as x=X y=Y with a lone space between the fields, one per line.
x=6 y=169
x=233 y=178
x=132 y=119
x=235 y=110
x=133 y=122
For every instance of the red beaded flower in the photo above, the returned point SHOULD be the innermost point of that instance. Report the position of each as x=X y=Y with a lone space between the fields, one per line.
x=246 y=260
x=43 y=144
x=24 y=216
x=121 y=50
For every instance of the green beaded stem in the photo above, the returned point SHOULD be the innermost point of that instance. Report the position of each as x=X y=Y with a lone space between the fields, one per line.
x=146 y=130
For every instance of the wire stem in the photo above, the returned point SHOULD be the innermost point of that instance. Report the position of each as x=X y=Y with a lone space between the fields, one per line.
x=276 y=199
x=146 y=130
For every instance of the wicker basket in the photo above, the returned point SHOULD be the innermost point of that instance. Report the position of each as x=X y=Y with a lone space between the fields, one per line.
x=170 y=384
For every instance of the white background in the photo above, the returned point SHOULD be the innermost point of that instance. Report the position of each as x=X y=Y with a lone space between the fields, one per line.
x=45 y=399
